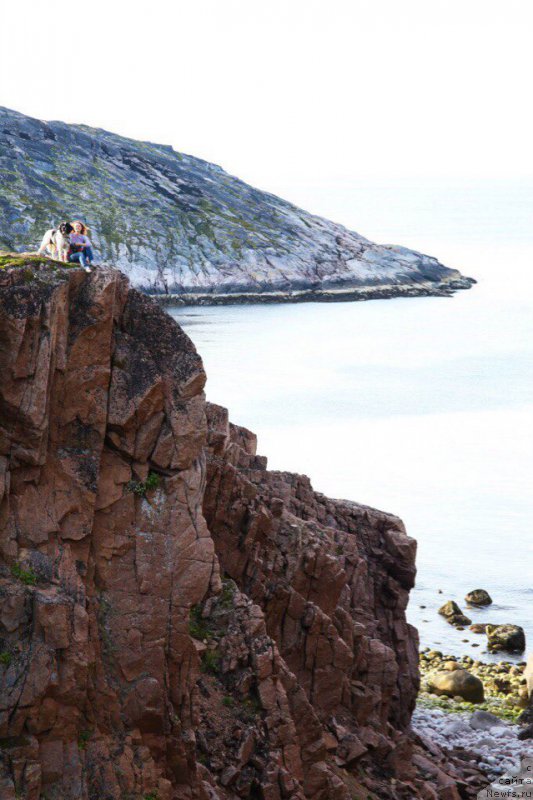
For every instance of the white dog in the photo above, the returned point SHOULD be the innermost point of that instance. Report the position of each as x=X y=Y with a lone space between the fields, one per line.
x=57 y=241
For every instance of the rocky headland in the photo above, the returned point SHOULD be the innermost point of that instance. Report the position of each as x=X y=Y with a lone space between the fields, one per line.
x=183 y=229
x=178 y=622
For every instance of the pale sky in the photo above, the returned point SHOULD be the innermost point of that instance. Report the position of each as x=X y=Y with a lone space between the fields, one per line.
x=286 y=93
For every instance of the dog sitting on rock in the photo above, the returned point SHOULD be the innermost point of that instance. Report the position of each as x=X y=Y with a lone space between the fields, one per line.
x=57 y=241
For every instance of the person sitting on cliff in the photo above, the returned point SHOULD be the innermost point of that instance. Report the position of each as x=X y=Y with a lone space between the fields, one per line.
x=80 y=246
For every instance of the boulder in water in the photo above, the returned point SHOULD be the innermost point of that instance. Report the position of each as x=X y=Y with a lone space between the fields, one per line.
x=510 y=638
x=453 y=614
x=478 y=597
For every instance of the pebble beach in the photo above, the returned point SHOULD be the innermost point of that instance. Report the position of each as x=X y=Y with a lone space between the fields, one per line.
x=494 y=745
x=486 y=733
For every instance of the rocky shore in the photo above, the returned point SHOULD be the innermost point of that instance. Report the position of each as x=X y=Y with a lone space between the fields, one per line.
x=443 y=288
x=505 y=689
x=479 y=739
x=493 y=733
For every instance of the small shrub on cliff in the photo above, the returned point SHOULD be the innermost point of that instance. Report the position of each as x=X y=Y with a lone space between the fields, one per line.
x=151 y=796
x=5 y=659
x=27 y=576
x=198 y=626
x=226 y=596
x=211 y=662
x=83 y=738
x=104 y=612
x=228 y=701
x=152 y=481
x=254 y=703
x=140 y=488
x=250 y=709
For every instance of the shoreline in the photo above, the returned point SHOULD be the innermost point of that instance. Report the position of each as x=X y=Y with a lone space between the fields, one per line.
x=444 y=288
x=504 y=684
x=487 y=734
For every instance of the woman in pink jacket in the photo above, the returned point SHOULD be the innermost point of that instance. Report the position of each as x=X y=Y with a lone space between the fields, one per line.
x=80 y=246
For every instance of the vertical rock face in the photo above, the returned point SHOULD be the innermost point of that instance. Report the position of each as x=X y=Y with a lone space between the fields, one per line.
x=176 y=621
x=98 y=386
x=332 y=579
x=332 y=576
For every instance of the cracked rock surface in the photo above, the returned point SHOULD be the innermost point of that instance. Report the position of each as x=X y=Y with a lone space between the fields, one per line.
x=177 y=622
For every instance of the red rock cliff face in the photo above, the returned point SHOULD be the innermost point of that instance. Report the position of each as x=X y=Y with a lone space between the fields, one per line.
x=129 y=670
x=332 y=579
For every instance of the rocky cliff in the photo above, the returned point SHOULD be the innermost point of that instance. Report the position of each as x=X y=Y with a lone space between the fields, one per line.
x=179 y=225
x=176 y=621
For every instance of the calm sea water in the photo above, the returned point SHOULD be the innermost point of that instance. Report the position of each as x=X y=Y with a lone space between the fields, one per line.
x=422 y=407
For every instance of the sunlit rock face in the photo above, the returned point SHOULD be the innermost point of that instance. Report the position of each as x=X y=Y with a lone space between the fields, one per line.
x=174 y=223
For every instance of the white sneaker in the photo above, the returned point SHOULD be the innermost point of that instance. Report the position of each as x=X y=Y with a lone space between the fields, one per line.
x=88 y=269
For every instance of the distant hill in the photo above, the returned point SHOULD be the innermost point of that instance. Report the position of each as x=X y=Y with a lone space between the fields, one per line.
x=177 y=224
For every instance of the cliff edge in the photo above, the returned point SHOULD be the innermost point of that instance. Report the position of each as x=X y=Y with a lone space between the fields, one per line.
x=177 y=622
